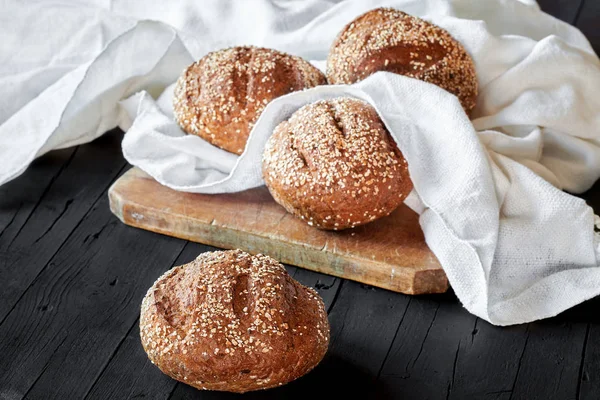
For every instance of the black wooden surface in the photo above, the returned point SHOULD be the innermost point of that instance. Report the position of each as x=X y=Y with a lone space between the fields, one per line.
x=73 y=278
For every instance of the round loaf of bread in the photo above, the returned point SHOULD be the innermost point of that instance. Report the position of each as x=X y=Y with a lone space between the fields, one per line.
x=220 y=97
x=234 y=322
x=335 y=165
x=385 y=39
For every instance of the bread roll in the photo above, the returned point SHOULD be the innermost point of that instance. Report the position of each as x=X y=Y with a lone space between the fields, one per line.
x=234 y=322
x=220 y=97
x=335 y=165
x=385 y=39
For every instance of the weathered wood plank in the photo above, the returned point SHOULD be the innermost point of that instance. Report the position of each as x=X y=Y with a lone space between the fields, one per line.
x=389 y=253
x=549 y=368
x=487 y=363
x=129 y=373
x=71 y=319
x=589 y=379
x=583 y=317
x=21 y=196
x=544 y=359
x=327 y=285
x=364 y=323
x=71 y=194
x=422 y=359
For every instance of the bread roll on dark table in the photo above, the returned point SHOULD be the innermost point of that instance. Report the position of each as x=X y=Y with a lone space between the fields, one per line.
x=234 y=322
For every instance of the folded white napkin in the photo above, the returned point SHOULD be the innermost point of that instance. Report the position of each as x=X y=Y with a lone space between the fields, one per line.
x=514 y=247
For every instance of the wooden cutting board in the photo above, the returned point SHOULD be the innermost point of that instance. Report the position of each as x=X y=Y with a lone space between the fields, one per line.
x=389 y=253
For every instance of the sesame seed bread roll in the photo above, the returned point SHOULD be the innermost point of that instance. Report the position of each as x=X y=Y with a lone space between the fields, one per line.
x=385 y=39
x=220 y=97
x=234 y=322
x=335 y=165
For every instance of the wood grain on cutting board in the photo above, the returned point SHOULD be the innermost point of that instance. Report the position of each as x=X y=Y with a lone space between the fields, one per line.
x=389 y=253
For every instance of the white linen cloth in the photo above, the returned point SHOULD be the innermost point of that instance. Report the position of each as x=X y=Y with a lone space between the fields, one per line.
x=515 y=248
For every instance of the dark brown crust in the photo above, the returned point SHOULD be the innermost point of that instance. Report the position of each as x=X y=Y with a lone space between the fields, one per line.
x=386 y=39
x=335 y=165
x=234 y=322
x=220 y=97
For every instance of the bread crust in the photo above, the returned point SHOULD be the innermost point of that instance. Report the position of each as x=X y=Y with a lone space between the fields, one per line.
x=335 y=165
x=234 y=322
x=385 y=39
x=220 y=97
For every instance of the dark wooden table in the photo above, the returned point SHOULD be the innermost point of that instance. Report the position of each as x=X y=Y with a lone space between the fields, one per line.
x=72 y=279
